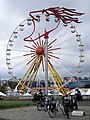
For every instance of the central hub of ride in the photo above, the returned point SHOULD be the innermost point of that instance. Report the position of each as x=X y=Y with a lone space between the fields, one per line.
x=40 y=51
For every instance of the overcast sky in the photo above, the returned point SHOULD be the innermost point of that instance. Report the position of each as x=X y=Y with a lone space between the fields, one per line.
x=12 y=12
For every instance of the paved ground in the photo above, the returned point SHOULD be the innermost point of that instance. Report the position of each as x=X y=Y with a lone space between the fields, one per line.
x=31 y=113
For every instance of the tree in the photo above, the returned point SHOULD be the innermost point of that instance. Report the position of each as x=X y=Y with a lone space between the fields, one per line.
x=87 y=86
x=12 y=84
x=42 y=83
x=3 y=88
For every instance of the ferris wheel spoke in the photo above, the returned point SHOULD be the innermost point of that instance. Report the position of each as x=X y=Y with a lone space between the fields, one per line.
x=50 y=52
x=42 y=43
x=21 y=63
x=17 y=57
x=19 y=43
x=53 y=56
x=72 y=63
x=68 y=47
x=50 y=47
x=30 y=47
x=34 y=46
x=66 y=40
x=31 y=60
x=26 y=69
x=67 y=54
x=37 y=43
x=54 y=49
x=20 y=50
x=29 y=54
x=61 y=35
x=51 y=42
x=67 y=71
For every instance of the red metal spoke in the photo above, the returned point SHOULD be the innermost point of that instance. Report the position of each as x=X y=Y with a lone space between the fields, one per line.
x=54 y=49
x=38 y=43
x=31 y=60
x=33 y=51
x=49 y=47
x=49 y=57
x=42 y=44
x=50 y=63
x=53 y=56
x=33 y=55
x=50 y=52
x=52 y=42
x=28 y=54
x=34 y=46
x=35 y=43
x=30 y=47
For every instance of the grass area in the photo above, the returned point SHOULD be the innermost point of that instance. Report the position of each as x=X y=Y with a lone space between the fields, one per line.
x=86 y=99
x=16 y=99
x=15 y=102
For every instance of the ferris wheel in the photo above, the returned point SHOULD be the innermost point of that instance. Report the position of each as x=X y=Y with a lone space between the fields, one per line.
x=25 y=53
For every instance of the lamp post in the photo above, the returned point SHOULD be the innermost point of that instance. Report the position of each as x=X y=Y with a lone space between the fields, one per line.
x=46 y=62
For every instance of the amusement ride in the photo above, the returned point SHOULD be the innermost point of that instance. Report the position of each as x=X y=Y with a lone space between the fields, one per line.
x=47 y=43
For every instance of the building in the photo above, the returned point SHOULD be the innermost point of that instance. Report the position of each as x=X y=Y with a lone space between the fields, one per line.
x=78 y=82
x=82 y=82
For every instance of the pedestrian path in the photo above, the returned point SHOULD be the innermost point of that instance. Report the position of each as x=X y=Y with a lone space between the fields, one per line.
x=31 y=113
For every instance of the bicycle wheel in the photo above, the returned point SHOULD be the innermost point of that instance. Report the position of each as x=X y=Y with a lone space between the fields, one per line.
x=60 y=108
x=39 y=106
x=45 y=108
x=52 y=111
x=66 y=112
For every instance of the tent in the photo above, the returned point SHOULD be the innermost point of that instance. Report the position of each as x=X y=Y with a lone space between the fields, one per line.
x=2 y=94
x=88 y=92
x=53 y=92
x=27 y=95
x=82 y=92
x=60 y=94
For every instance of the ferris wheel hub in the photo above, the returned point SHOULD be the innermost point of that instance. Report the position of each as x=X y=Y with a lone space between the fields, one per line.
x=40 y=51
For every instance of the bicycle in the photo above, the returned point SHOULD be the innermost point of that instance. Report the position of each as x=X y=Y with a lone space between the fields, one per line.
x=69 y=104
x=43 y=103
x=63 y=105
x=54 y=107
x=73 y=103
x=66 y=106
